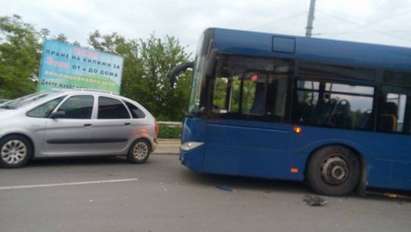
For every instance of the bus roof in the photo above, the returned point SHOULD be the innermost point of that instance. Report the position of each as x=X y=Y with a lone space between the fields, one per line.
x=311 y=49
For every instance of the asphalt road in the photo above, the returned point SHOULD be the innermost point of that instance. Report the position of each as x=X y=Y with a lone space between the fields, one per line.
x=109 y=194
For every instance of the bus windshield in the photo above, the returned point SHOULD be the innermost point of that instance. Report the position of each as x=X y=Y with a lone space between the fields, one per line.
x=249 y=87
x=194 y=104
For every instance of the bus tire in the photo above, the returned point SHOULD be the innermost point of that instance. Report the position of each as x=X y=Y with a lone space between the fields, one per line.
x=334 y=171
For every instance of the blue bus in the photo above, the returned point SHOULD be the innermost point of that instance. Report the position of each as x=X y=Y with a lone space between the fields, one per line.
x=335 y=114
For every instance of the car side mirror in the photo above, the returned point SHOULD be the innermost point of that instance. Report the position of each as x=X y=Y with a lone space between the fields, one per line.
x=58 y=114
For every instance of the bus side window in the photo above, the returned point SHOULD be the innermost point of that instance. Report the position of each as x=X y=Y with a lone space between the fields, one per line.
x=277 y=95
x=334 y=104
x=306 y=101
x=392 y=113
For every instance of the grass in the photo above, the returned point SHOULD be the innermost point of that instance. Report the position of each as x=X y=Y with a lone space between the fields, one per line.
x=169 y=132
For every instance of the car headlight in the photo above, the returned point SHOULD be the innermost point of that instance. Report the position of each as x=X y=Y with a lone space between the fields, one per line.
x=190 y=145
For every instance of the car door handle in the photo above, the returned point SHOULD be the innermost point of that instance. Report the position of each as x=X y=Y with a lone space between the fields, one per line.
x=127 y=124
x=88 y=125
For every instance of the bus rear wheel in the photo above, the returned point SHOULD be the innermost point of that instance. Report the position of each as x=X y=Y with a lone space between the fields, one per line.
x=334 y=171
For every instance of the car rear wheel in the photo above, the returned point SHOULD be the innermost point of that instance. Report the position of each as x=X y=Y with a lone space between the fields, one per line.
x=139 y=151
x=334 y=170
x=15 y=151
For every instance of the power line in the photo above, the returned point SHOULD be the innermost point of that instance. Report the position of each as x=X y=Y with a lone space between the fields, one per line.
x=403 y=12
x=357 y=28
x=362 y=25
x=281 y=19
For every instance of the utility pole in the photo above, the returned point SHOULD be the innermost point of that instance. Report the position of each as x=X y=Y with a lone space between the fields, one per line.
x=310 y=20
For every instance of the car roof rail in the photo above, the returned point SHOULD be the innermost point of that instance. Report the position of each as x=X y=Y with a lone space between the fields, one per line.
x=95 y=90
x=83 y=89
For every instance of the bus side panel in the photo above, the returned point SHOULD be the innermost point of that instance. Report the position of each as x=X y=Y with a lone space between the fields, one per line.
x=311 y=138
x=380 y=152
x=394 y=151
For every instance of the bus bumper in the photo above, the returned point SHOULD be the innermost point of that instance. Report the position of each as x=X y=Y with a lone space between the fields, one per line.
x=192 y=156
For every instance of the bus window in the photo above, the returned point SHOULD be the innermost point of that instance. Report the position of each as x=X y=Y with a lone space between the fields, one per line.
x=226 y=95
x=254 y=94
x=401 y=79
x=395 y=106
x=334 y=105
x=393 y=112
x=278 y=85
x=241 y=93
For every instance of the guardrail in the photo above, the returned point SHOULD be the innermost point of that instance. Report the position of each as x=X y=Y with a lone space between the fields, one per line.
x=170 y=130
x=170 y=124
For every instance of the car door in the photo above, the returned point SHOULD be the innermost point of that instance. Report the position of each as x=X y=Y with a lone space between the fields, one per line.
x=70 y=133
x=38 y=118
x=112 y=127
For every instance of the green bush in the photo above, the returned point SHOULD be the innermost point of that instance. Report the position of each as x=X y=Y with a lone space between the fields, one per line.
x=169 y=132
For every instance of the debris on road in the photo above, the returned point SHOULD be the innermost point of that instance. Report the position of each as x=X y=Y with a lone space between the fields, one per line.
x=315 y=201
x=163 y=187
x=394 y=196
x=224 y=188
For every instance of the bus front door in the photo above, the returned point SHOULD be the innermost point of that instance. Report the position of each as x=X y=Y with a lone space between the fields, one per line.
x=247 y=148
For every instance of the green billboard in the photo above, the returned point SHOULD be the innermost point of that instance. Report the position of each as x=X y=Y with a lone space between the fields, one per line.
x=66 y=66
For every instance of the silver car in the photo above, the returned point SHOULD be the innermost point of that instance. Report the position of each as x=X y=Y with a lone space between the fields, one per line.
x=74 y=123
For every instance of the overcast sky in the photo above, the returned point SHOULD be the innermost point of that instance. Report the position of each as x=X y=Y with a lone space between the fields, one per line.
x=375 y=21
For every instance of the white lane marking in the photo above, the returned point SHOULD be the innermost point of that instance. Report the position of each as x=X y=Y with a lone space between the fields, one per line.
x=67 y=184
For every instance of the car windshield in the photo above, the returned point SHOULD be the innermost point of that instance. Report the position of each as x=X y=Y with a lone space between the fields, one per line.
x=21 y=101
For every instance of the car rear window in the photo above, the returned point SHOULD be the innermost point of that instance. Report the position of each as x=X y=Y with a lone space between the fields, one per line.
x=135 y=111
x=110 y=108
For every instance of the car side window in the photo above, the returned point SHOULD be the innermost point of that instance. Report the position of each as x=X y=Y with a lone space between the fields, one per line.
x=110 y=108
x=44 y=110
x=78 y=107
x=135 y=111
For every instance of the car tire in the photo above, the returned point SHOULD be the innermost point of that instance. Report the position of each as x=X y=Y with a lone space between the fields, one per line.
x=139 y=151
x=334 y=171
x=15 y=151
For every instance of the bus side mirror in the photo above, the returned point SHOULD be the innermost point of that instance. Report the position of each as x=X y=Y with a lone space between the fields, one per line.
x=172 y=75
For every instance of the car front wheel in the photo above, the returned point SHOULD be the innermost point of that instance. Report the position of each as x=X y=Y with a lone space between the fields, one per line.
x=139 y=151
x=15 y=151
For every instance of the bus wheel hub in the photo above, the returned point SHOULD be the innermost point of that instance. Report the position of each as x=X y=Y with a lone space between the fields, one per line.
x=334 y=170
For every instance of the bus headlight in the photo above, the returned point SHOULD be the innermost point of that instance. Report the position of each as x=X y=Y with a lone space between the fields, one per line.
x=190 y=145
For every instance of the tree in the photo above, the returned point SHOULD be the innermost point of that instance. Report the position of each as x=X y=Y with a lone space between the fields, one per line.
x=61 y=37
x=166 y=98
x=146 y=64
x=19 y=57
